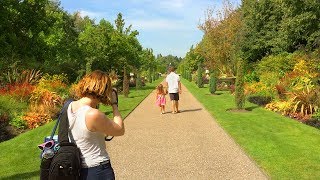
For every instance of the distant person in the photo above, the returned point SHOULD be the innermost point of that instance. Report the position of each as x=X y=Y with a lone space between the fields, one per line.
x=89 y=125
x=174 y=88
x=161 y=98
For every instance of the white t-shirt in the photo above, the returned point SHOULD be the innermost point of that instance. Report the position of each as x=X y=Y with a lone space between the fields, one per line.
x=173 y=82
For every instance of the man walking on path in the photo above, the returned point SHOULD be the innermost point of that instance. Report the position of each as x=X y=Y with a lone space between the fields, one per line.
x=174 y=89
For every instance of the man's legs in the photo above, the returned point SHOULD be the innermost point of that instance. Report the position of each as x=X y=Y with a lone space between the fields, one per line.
x=173 y=106
x=177 y=106
x=174 y=100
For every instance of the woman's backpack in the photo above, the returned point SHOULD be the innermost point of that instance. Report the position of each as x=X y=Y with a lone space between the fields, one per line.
x=65 y=163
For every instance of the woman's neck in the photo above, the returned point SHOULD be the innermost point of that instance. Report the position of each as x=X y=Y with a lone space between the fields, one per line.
x=89 y=101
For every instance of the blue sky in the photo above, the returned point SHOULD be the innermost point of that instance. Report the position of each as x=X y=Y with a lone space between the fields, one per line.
x=166 y=26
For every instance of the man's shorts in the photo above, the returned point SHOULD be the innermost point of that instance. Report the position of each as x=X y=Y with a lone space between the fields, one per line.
x=174 y=96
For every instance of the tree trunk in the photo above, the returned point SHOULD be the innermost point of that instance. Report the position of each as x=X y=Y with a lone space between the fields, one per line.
x=125 y=83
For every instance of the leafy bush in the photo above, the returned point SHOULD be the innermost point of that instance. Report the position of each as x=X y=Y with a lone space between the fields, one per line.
x=260 y=100
x=213 y=83
x=251 y=77
x=9 y=107
x=46 y=99
x=239 y=93
x=199 y=76
x=280 y=64
x=35 y=120
x=18 y=122
x=20 y=91
x=283 y=107
x=316 y=115
x=54 y=83
x=306 y=101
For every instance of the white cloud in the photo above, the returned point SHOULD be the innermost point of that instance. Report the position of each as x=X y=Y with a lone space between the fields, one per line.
x=156 y=24
x=94 y=15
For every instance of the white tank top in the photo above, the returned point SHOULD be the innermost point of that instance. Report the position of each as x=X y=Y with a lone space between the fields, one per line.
x=91 y=144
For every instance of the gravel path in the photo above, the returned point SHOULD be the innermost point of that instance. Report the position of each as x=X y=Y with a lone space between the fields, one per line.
x=187 y=145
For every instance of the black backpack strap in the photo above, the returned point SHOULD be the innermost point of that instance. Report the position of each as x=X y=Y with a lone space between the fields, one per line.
x=64 y=124
x=65 y=106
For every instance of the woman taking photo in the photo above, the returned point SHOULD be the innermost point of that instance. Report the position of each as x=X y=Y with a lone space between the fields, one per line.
x=89 y=126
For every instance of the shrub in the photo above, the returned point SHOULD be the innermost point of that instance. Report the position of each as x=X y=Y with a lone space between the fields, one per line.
x=251 y=77
x=20 y=91
x=239 y=93
x=199 y=76
x=46 y=99
x=260 y=100
x=316 y=115
x=279 y=64
x=54 y=83
x=306 y=101
x=283 y=107
x=189 y=76
x=9 y=107
x=213 y=83
x=35 y=120
x=18 y=122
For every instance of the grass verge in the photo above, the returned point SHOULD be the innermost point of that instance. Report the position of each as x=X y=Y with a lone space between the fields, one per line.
x=282 y=147
x=19 y=157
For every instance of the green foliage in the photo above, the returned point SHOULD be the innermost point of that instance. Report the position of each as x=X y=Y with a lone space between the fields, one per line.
x=10 y=108
x=239 y=93
x=18 y=122
x=191 y=61
x=189 y=76
x=221 y=42
x=280 y=64
x=213 y=83
x=251 y=77
x=316 y=115
x=138 y=82
x=199 y=75
x=55 y=83
x=267 y=137
x=273 y=26
x=259 y=100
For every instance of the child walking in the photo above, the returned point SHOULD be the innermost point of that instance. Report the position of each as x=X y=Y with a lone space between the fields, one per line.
x=160 y=98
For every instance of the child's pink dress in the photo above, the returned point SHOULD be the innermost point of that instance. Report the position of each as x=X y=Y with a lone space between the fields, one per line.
x=161 y=100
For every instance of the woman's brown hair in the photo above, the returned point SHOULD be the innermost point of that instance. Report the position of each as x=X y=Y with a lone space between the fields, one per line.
x=96 y=84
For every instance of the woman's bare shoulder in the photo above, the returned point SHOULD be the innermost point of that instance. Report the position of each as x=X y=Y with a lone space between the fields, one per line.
x=94 y=114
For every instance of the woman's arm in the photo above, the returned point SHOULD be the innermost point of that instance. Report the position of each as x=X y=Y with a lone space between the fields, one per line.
x=97 y=121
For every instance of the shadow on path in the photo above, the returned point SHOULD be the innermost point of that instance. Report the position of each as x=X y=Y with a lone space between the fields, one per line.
x=190 y=110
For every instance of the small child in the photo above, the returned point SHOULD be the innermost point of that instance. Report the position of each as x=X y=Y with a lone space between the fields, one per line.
x=160 y=98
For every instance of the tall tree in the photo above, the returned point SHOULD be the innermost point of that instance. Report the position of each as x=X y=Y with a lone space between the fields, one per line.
x=273 y=26
x=219 y=43
x=127 y=48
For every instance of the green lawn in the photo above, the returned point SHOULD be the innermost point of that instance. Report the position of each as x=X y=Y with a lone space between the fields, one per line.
x=19 y=157
x=282 y=147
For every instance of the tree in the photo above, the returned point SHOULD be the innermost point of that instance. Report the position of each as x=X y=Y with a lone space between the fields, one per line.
x=199 y=76
x=93 y=42
x=127 y=48
x=22 y=24
x=239 y=93
x=220 y=40
x=272 y=27
x=213 y=83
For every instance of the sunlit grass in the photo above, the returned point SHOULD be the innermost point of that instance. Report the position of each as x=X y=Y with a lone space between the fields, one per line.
x=19 y=157
x=282 y=147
